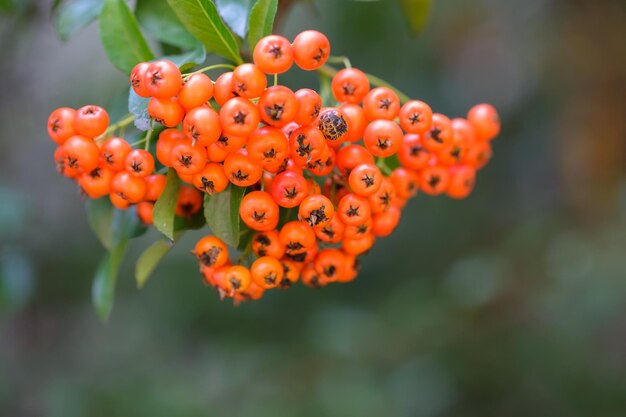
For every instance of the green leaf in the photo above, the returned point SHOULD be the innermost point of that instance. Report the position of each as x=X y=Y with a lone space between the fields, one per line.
x=70 y=16
x=200 y=17
x=114 y=228
x=126 y=225
x=110 y=225
x=189 y=59
x=165 y=207
x=261 y=20
x=120 y=35
x=103 y=287
x=235 y=13
x=149 y=259
x=416 y=14
x=160 y=21
x=100 y=217
x=181 y=224
x=221 y=212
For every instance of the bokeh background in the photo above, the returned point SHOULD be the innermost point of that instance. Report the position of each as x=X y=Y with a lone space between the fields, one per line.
x=510 y=303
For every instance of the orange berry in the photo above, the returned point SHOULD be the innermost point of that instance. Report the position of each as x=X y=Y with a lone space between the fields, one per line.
x=353 y=209
x=211 y=251
x=316 y=210
x=189 y=202
x=211 y=179
x=311 y=49
x=259 y=211
x=129 y=187
x=237 y=279
x=267 y=272
x=365 y=179
x=297 y=237
x=273 y=54
x=91 y=121
x=61 y=124
x=382 y=138
x=196 y=91
x=350 y=85
x=415 y=116
x=249 y=81
x=381 y=103
x=485 y=120
x=268 y=244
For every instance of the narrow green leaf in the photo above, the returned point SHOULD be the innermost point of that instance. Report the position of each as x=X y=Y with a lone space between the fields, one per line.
x=149 y=260
x=235 y=14
x=165 y=207
x=100 y=217
x=181 y=224
x=160 y=21
x=126 y=225
x=201 y=18
x=110 y=225
x=416 y=14
x=103 y=287
x=221 y=212
x=120 y=35
x=138 y=107
x=261 y=20
x=70 y=16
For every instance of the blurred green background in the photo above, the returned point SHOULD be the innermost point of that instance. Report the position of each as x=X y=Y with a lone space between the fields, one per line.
x=509 y=303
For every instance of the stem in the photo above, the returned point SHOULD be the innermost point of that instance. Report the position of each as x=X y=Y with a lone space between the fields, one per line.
x=209 y=68
x=148 y=137
x=139 y=142
x=382 y=83
x=245 y=254
x=120 y=123
x=325 y=89
x=340 y=60
x=329 y=71
x=275 y=79
x=382 y=165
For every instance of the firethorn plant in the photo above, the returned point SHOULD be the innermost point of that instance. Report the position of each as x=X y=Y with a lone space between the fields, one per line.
x=292 y=186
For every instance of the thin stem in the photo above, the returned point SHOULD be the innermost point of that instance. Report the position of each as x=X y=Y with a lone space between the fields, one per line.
x=119 y=124
x=382 y=165
x=340 y=60
x=329 y=71
x=382 y=83
x=148 y=137
x=245 y=254
x=325 y=89
x=275 y=79
x=209 y=68
x=139 y=142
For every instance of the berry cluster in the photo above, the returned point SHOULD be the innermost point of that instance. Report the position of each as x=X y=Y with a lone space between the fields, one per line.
x=322 y=182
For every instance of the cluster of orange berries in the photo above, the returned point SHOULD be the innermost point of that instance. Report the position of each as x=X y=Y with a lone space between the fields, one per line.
x=346 y=171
